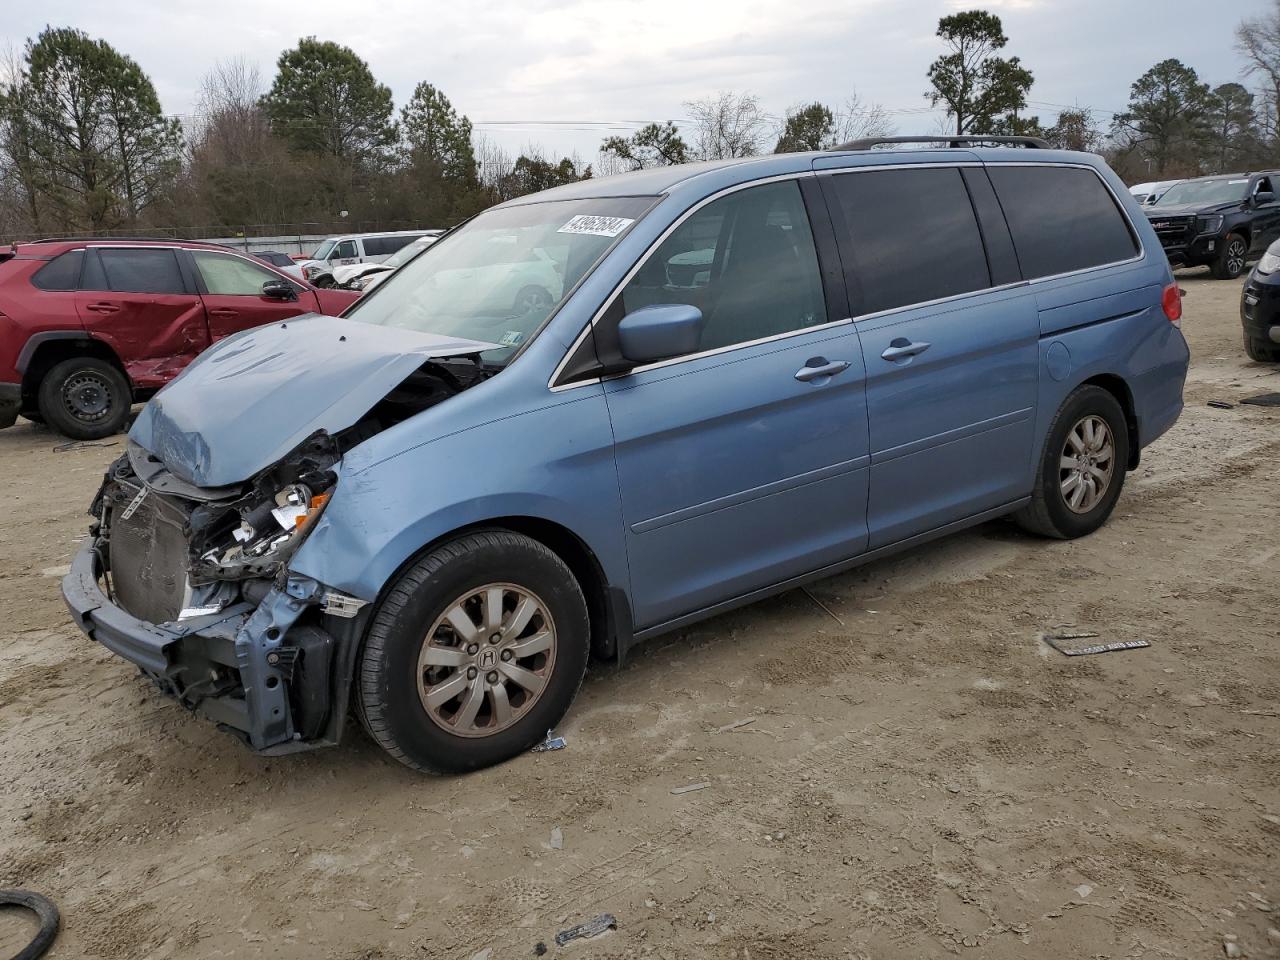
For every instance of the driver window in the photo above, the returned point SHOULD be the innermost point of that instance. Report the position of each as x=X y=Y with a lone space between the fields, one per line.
x=747 y=261
x=225 y=275
x=1264 y=186
x=344 y=251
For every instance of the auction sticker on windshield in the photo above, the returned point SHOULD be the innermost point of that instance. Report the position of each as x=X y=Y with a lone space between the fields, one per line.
x=596 y=226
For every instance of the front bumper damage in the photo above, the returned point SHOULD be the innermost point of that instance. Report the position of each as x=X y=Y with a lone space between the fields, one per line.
x=262 y=672
x=271 y=661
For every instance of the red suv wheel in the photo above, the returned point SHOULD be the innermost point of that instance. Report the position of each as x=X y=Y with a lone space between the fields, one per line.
x=85 y=398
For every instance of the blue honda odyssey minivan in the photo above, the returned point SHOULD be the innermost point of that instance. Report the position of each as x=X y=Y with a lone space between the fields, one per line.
x=606 y=411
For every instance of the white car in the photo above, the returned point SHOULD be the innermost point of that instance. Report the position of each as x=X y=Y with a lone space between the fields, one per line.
x=356 y=248
x=365 y=276
x=1148 y=193
x=528 y=282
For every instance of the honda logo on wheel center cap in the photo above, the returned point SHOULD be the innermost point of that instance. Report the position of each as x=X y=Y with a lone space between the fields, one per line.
x=488 y=658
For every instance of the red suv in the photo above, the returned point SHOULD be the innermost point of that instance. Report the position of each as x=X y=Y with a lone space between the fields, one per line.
x=87 y=327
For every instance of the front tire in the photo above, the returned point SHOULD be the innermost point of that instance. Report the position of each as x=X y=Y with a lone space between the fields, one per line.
x=477 y=651
x=1082 y=469
x=1231 y=259
x=85 y=398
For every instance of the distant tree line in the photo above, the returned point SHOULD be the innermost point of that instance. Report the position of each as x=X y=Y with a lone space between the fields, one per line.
x=86 y=147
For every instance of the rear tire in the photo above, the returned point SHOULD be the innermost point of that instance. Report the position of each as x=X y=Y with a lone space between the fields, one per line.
x=428 y=692
x=1231 y=259
x=1082 y=469
x=85 y=398
x=1262 y=351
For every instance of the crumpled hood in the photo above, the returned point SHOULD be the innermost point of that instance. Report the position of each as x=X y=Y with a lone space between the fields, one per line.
x=349 y=271
x=252 y=398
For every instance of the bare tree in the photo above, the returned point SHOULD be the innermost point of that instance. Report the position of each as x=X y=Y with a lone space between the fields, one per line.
x=494 y=161
x=858 y=119
x=1258 y=39
x=227 y=106
x=727 y=125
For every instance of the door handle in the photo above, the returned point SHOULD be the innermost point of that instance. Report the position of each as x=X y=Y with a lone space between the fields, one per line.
x=224 y=313
x=101 y=307
x=901 y=349
x=818 y=369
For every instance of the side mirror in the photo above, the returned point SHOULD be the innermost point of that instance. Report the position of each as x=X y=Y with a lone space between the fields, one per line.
x=279 y=290
x=1264 y=196
x=660 y=332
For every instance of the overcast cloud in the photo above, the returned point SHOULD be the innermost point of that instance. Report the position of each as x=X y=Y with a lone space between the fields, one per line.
x=506 y=64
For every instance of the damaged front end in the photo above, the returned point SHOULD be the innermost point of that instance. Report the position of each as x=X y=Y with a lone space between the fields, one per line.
x=193 y=586
x=191 y=581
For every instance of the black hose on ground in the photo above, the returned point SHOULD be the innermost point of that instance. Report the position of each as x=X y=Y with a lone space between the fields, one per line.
x=47 y=913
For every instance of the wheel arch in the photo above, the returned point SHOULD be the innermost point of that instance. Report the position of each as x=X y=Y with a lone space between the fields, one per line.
x=43 y=351
x=1119 y=388
x=608 y=606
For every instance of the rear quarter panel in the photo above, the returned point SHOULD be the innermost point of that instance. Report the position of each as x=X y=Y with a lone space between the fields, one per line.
x=30 y=311
x=1111 y=323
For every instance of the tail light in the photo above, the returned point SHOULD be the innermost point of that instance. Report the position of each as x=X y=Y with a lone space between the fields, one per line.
x=1171 y=301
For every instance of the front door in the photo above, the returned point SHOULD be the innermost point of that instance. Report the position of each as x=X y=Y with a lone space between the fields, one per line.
x=951 y=364
x=744 y=464
x=1266 y=217
x=231 y=288
x=136 y=300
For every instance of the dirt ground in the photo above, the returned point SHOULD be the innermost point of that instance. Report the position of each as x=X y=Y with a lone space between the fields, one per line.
x=895 y=763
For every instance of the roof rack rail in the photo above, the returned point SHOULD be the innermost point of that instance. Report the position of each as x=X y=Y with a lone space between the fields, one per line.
x=83 y=239
x=951 y=140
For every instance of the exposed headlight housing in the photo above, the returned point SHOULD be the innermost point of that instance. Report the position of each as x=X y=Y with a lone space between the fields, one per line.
x=1209 y=224
x=1270 y=261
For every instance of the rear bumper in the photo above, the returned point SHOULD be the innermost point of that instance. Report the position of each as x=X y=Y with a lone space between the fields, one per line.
x=10 y=403
x=252 y=670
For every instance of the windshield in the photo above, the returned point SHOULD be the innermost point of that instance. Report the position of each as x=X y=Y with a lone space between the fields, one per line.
x=1204 y=193
x=322 y=251
x=497 y=278
x=407 y=252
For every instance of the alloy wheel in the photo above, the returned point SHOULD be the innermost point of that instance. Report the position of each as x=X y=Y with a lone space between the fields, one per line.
x=486 y=660
x=1235 y=257
x=1087 y=464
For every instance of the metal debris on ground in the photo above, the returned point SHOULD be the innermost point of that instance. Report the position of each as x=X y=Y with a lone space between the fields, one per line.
x=81 y=444
x=690 y=788
x=736 y=725
x=1264 y=400
x=551 y=743
x=557 y=838
x=539 y=948
x=1060 y=642
x=825 y=609
x=1221 y=405
x=592 y=928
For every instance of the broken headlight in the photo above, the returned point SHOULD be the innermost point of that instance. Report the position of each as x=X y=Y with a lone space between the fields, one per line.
x=271 y=530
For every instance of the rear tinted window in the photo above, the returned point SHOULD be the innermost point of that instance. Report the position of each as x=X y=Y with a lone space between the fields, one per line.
x=912 y=236
x=141 y=271
x=385 y=246
x=60 y=273
x=1062 y=219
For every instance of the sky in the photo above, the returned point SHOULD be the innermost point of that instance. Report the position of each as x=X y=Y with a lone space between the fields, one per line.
x=563 y=74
